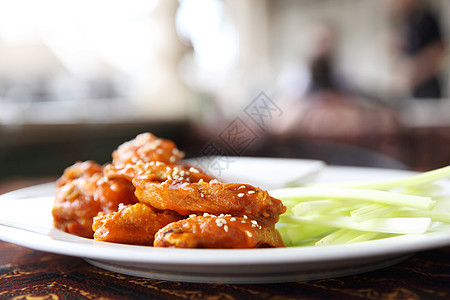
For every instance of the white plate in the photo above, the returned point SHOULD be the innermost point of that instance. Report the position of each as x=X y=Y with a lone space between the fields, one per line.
x=30 y=208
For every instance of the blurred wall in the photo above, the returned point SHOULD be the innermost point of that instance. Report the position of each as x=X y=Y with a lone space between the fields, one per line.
x=76 y=80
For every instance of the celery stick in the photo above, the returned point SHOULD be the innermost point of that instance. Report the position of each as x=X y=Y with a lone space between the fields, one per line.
x=370 y=211
x=326 y=214
x=355 y=194
x=293 y=235
x=440 y=227
x=386 y=225
x=330 y=238
x=366 y=236
x=305 y=243
x=411 y=181
x=424 y=190
x=348 y=236
x=436 y=216
x=340 y=236
x=308 y=206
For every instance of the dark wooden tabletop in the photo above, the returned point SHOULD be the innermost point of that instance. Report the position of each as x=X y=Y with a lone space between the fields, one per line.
x=31 y=274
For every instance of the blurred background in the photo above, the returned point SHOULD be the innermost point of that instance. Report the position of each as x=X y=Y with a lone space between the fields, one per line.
x=362 y=83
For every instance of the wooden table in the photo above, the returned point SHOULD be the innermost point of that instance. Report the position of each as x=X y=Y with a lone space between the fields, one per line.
x=30 y=274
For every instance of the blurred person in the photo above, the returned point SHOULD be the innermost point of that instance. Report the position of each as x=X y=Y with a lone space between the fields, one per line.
x=319 y=71
x=321 y=102
x=324 y=74
x=422 y=45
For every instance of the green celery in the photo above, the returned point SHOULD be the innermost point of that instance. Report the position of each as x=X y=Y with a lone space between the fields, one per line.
x=308 y=206
x=391 y=198
x=385 y=225
x=370 y=211
x=294 y=235
x=421 y=179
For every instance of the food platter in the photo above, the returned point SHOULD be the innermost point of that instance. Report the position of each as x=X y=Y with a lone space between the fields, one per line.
x=26 y=220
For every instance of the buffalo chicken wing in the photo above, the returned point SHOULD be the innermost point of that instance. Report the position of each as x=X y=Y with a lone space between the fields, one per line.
x=156 y=171
x=147 y=196
x=147 y=147
x=83 y=192
x=132 y=224
x=212 y=197
x=223 y=231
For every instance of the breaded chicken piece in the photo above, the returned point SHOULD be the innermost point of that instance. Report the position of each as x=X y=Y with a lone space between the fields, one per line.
x=223 y=231
x=147 y=147
x=83 y=192
x=132 y=224
x=79 y=170
x=145 y=195
x=212 y=197
x=156 y=171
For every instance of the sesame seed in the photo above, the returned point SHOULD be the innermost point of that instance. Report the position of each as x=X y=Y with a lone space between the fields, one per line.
x=214 y=181
x=172 y=159
x=232 y=219
x=225 y=228
x=192 y=215
x=201 y=180
x=242 y=187
x=249 y=234
x=251 y=192
x=240 y=195
x=220 y=222
x=194 y=170
x=245 y=216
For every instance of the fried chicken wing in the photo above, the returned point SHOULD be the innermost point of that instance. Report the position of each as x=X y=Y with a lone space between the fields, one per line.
x=212 y=197
x=148 y=196
x=156 y=171
x=83 y=192
x=147 y=147
x=79 y=170
x=132 y=224
x=223 y=231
